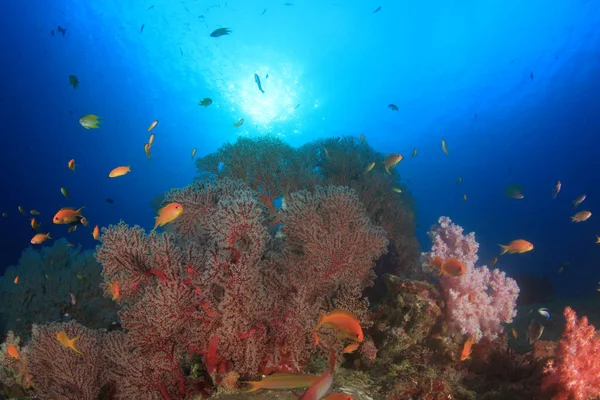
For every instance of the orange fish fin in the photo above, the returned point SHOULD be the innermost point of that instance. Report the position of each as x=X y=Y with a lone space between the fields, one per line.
x=504 y=249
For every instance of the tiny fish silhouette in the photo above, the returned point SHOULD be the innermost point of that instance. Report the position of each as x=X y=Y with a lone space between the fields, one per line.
x=142 y=28
x=150 y=8
x=377 y=9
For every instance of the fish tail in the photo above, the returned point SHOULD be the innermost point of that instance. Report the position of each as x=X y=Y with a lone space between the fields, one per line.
x=387 y=170
x=572 y=219
x=155 y=225
x=254 y=386
x=78 y=211
x=504 y=249
x=48 y=236
x=315 y=337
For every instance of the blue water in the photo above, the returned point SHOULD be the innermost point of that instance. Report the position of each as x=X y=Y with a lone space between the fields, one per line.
x=456 y=70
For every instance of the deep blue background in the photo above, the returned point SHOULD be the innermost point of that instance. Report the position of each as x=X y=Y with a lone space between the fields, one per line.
x=457 y=70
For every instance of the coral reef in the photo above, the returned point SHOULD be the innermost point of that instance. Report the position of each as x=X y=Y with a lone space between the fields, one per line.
x=480 y=301
x=575 y=371
x=275 y=169
x=243 y=299
x=47 y=276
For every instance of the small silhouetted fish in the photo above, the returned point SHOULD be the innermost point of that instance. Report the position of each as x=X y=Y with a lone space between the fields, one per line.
x=110 y=201
x=52 y=32
x=150 y=8
x=181 y=51
x=297 y=105
x=475 y=116
x=62 y=30
x=264 y=11
x=393 y=107
x=377 y=9
x=220 y=32
x=267 y=77
x=257 y=80
x=531 y=76
x=142 y=28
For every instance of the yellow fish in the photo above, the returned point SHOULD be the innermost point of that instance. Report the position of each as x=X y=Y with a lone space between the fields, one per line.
x=96 y=233
x=168 y=213
x=68 y=343
x=193 y=153
x=22 y=210
x=147 y=150
x=444 y=147
x=465 y=196
x=65 y=192
x=369 y=167
x=414 y=153
x=597 y=239
x=89 y=121
x=239 y=123
x=391 y=161
x=397 y=189
x=282 y=381
x=153 y=125
x=151 y=140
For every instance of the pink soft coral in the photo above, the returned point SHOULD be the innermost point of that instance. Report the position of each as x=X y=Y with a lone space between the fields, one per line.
x=478 y=302
x=575 y=373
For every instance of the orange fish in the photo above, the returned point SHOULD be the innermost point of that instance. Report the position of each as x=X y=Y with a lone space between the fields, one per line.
x=282 y=381
x=343 y=321
x=146 y=150
x=168 y=213
x=72 y=165
x=578 y=200
x=516 y=246
x=338 y=396
x=153 y=125
x=467 y=349
x=444 y=147
x=351 y=348
x=13 y=352
x=322 y=384
x=119 y=171
x=448 y=267
x=67 y=215
x=16 y=281
x=391 y=161
x=65 y=341
x=35 y=225
x=113 y=288
x=193 y=153
x=96 y=233
x=40 y=238
x=581 y=216
x=363 y=137
x=151 y=140
x=515 y=333
x=239 y=123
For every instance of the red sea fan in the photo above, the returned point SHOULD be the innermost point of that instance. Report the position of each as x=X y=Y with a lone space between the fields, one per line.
x=59 y=373
x=575 y=373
